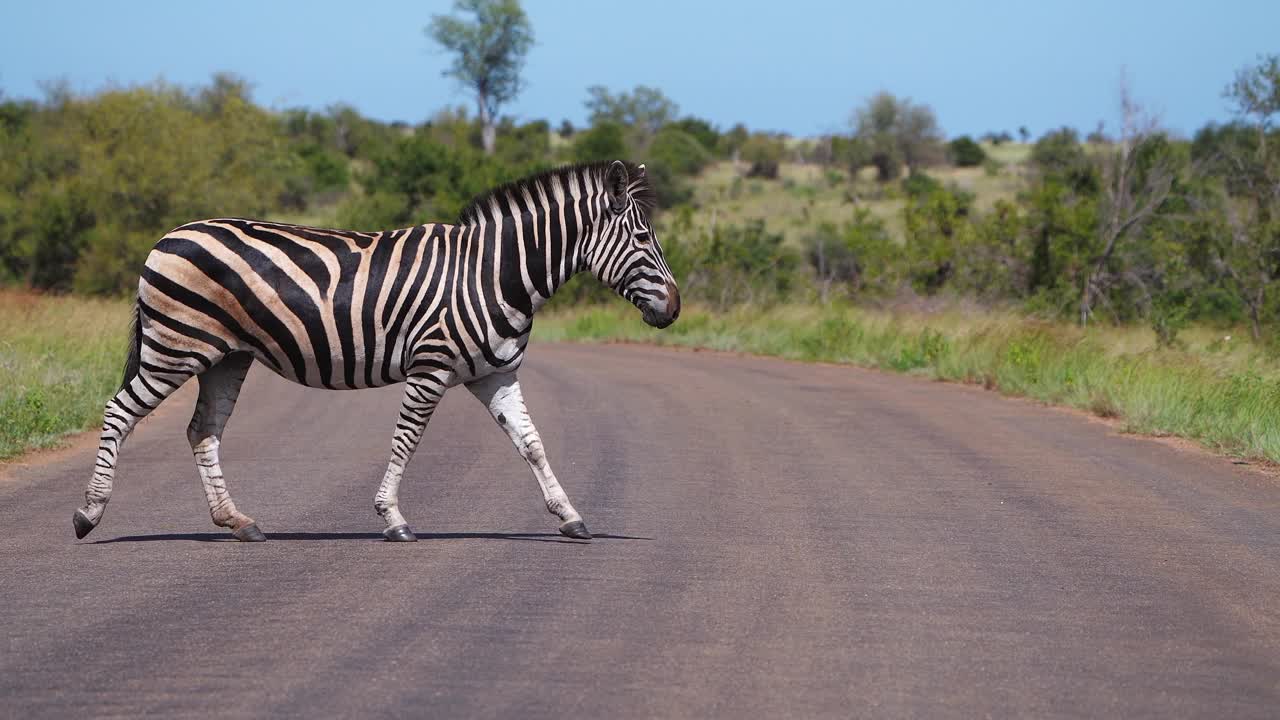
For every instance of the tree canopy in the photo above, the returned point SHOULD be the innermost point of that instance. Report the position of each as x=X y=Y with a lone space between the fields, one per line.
x=898 y=132
x=489 y=52
x=644 y=110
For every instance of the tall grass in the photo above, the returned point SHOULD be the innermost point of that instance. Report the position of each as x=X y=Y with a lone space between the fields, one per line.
x=1219 y=390
x=60 y=359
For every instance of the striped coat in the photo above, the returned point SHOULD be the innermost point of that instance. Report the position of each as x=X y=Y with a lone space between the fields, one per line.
x=433 y=306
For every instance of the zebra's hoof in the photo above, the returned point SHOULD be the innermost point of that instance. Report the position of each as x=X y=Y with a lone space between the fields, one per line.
x=82 y=523
x=249 y=533
x=399 y=533
x=576 y=530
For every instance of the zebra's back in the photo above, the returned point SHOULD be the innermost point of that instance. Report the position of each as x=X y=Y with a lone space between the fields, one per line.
x=325 y=308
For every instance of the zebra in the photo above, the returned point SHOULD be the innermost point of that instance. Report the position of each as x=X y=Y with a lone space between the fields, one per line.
x=433 y=306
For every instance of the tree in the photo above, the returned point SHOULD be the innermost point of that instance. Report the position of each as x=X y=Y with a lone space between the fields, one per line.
x=489 y=54
x=643 y=111
x=1137 y=177
x=1248 y=254
x=898 y=132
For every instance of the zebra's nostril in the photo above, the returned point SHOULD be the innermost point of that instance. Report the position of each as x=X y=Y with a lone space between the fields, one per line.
x=673 y=300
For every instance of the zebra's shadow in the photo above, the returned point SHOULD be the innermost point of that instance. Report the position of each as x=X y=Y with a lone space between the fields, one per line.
x=365 y=536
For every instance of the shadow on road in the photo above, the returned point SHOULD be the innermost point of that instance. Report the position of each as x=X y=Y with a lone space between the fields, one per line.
x=225 y=537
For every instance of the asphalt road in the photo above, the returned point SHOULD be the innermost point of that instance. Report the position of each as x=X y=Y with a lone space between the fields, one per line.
x=773 y=540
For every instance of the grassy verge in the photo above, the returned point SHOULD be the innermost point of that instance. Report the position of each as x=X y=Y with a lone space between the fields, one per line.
x=1216 y=389
x=60 y=359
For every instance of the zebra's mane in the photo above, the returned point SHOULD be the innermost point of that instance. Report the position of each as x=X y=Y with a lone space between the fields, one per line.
x=641 y=190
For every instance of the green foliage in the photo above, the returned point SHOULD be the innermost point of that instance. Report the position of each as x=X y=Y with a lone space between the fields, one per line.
x=674 y=156
x=856 y=256
x=731 y=142
x=920 y=185
x=97 y=179
x=523 y=146
x=898 y=132
x=376 y=210
x=678 y=152
x=420 y=179
x=1256 y=89
x=936 y=236
x=852 y=153
x=701 y=130
x=729 y=264
x=764 y=154
x=643 y=111
x=1059 y=156
x=964 y=152
x=1169 y=316
x=602 y=143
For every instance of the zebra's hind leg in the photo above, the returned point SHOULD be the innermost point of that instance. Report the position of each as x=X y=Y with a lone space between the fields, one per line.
x=219 y=388
x=501 y=394
x=421 y=395
x=140 y=395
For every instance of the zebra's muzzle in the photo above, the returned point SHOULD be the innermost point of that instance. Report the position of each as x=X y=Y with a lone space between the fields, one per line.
x=661 y=318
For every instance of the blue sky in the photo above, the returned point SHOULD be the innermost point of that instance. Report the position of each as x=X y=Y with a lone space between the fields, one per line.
x=798 y=66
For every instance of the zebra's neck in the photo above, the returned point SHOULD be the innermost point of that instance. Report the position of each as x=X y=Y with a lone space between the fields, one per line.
x=539 y=251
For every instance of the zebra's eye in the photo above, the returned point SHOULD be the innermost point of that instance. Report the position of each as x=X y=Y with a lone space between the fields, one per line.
x=643 y=238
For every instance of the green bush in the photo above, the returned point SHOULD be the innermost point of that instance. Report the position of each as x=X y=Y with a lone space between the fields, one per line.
x=964 y=152
x=100 y=178
x=674 y=156
x=678 y=152
x=764 y=154
x=855 y=256
x=701 y=130
x=435 y=180
x=920 y=185
x=605 y=141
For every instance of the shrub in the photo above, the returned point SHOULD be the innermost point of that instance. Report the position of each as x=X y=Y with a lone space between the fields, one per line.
x=855 y=256
x=765 y=154
x=701 y=130
x=603 y=142
x=964 y=152
x=678 y=152
x=920 y=185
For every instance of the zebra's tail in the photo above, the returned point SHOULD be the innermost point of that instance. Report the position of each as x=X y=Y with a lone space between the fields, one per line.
x=135 y=347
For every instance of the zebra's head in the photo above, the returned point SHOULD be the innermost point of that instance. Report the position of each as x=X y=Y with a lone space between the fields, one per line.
x=629 y=258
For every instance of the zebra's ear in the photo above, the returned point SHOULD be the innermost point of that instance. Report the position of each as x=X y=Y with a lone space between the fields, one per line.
x=615 y=182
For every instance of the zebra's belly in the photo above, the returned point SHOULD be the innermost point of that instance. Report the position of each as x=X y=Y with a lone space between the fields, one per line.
x=337 y=373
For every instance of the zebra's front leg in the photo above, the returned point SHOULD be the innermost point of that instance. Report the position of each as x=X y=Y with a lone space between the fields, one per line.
x=421 y=395
x=501 y=393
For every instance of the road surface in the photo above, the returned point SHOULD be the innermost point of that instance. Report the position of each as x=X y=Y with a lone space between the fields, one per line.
x=773 y=540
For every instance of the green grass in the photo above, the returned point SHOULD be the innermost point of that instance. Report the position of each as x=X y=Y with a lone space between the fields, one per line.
x=1222 y=392
x=60 y=359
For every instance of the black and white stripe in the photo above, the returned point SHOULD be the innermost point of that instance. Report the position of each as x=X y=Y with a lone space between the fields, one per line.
x=433 y=306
